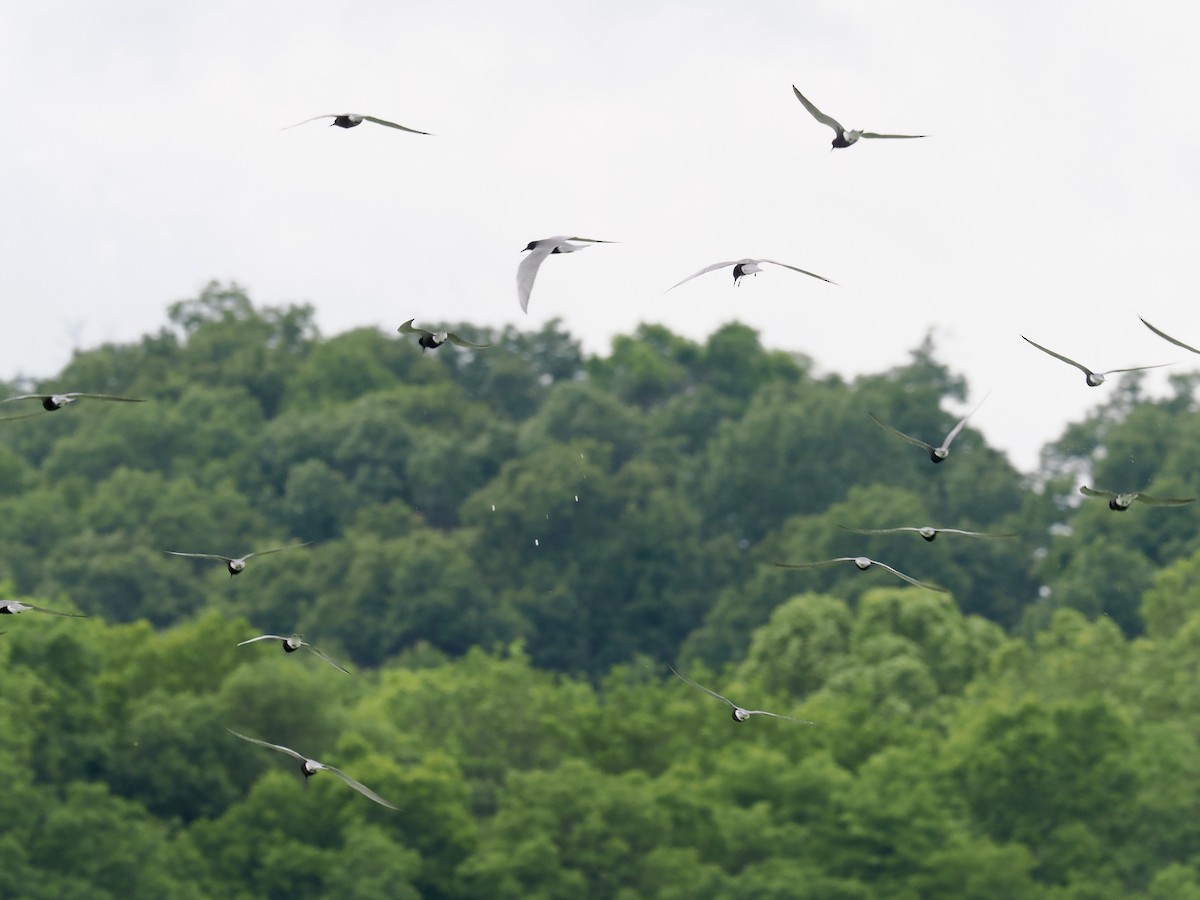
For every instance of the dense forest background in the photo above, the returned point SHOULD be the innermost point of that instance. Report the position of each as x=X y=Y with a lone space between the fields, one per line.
x=510 y=546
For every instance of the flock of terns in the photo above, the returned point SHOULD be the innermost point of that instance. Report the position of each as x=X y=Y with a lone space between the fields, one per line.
x=539 y=251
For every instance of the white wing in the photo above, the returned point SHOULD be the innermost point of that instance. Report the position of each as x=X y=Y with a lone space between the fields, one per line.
x=392 y=125
x=262 y=637
x=797 y=269
x=912 y=581
x=1080 y=366
x=407 y=328
x=703 y=688
x=360 y=787
x=872 y=134
x=817 y=114
x=705 y=271
x=201 y=555
x=306 y=121
x=317 y=652
x=1167 y=337
x=527 y=272
x=463 y=342
x=104 y=397
x=288 y=750
x=275 y=550
x=959 y=427
x=916 y=442
x=816 y=565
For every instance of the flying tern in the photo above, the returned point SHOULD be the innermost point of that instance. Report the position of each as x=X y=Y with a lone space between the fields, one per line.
x=739 y=714
x=1122 y=501
x=51 y=402
x=538 y=251
x=236 y=564
x=352 y=120
x=842 y=137
x=936 y=454
x=312 y=766
x=863 y=563
x=929 y=532
x=1094 y=379
x=292 y=644
x=744 y=267
x=431 y=340
x=16 y=607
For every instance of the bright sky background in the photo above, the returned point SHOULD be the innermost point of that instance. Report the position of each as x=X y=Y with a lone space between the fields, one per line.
x=1056 y=195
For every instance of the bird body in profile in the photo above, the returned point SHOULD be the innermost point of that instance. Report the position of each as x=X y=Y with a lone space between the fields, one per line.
x=842 y=137
x=739 y=713
x=52 y=402
x=311 y=767
x=292 y=644
x=235 y=564
x=538 y=251
x=744 y=267
x=353 y=120
x=936 y=454
x=1094 y=379
x=431 y=340
x=16 y=607
x=1120 y=502
x=863 y=563
x=929 y=533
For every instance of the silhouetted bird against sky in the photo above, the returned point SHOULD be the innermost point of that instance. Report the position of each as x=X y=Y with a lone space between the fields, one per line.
x=351 y=120
x=842 y=137
x=538 y=251
x=744 y=267
x=1094 y=379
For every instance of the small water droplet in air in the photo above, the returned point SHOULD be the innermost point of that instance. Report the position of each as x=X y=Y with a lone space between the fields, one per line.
x=493 y=507
x=576 y=498
x=535 y=542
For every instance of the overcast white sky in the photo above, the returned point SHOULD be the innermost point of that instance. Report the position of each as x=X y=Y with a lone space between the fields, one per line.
x=1056 y=197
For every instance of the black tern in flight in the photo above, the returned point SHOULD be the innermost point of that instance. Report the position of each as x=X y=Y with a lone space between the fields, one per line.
x=312 y=766
x=1167 y=337
x=1094 y=379
x=538 y=251
x=352 y=120
x=15 y=607
x=929 y=532
x=431 y=340
x=863 y=563
x=739 y=714
x=936 y=454
x=51 y=402
x=844 y=138
x=1122 y=502
x=235 y=564
x=744 y=267
x=292 y=644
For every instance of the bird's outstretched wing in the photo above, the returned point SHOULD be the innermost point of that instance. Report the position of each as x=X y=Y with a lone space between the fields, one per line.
x=1164 y=501
x=55 y=612
x=1167 y=337
x=216 y=556
x=463 y=342
x=392 y=124
x=916 y=442
x=262 y=637
x=527 y=272
x=360 y=787
x=879 y=530
x=313 y=119
x=1134 y=369
x=963 y=421
x=817 y=114
x=977 y=534
x=912 y=581
x=311 y=649
x=26 y=397
x=1080 y=366
x=407 y=328
x=275 y=550
x=703 y=688
x=816 y=565
x=704 y=271
x=288 y=750
x=872 y=134
x=798 y=269
x=105 y=397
